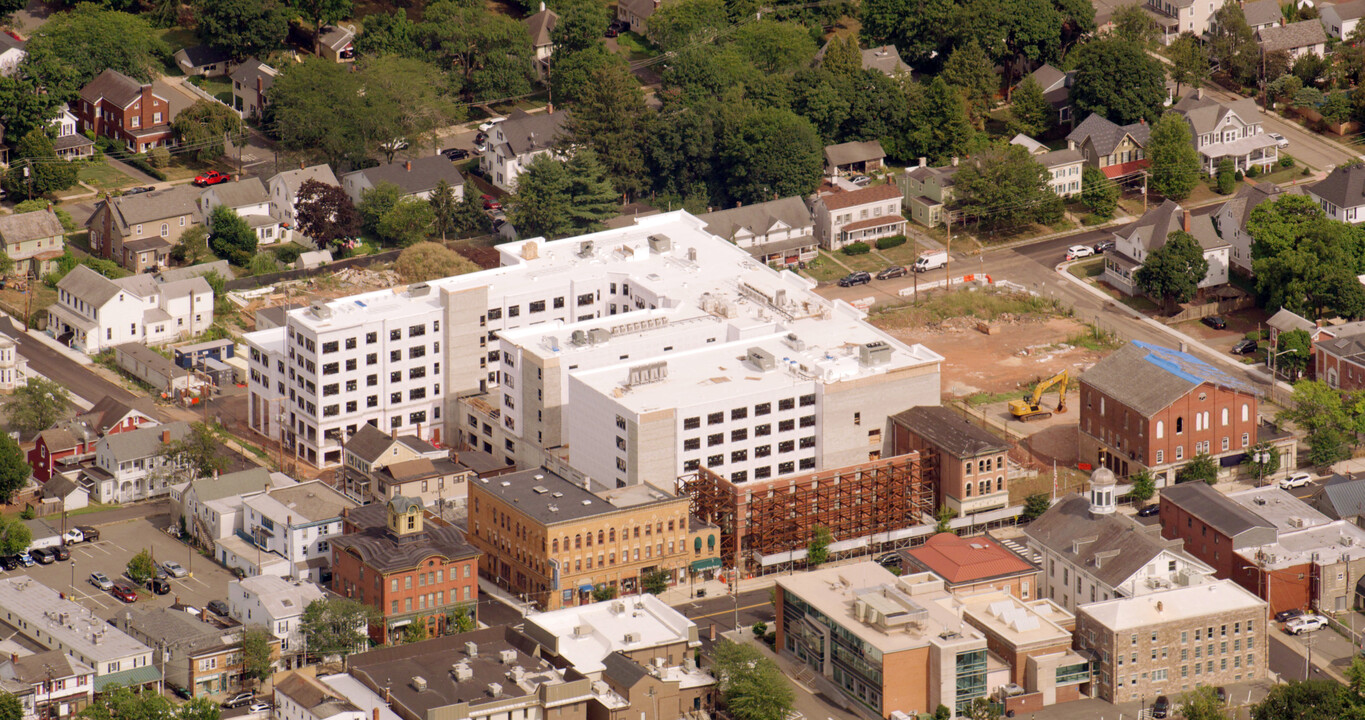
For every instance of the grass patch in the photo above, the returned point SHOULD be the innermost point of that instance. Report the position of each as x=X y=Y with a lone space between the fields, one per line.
x=987 y=305
x=212 y=86
x=102 y=176
x=1095 y=338
x=823 y=269
x=984 y=398
x=1087 y=269
x=636 y=47
x=903 y=255
x=1289 y=174
x=869 y=262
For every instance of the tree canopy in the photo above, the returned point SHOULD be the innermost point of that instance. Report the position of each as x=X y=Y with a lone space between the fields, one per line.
x=36 y=170
x=230 y=237
x=325 y=213
x=1033 y=115
x=555 y=198
x=1003 y=188
x=241 y=28
x=752 y=686
x=202 y=127
x=1118 y=80
x=336 y=626
x=37 y=405
x=1175 y=162
x=1172 y=272
x=1306 y=262
x=14 y=469
x=74 y=46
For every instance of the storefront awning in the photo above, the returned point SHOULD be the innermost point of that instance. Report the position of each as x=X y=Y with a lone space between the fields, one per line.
x=585 y=587
x=132 y=678
x=705 y=564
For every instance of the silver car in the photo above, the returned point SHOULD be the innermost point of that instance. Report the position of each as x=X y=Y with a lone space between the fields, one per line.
x=101 y=581
x=174 y=569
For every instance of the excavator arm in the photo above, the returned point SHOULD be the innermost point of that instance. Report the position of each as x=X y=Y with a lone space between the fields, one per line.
x=1029 y=408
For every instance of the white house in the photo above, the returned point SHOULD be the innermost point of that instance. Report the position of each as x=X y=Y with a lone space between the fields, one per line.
x=1230 y=220
x=13 y=366
x=1227 y=130
x=1064 y=167
x=12 y=53
x=275 y=603
x=516 y=141
x=1261 y=14
x=203 y=60
x=1342 y=193
x=1340 y=20
x=294 y=524
x=415 y=178
x=211 y=507
x=70 y=143
x=250 y=83
x=250 y=199
x=778 y=232
x=129 y=467
x=541 y=27
x=303 y=697
x=843 y=217
x=93 y=312
x=284 y=196
x=1133 y=243
x=1296 y=39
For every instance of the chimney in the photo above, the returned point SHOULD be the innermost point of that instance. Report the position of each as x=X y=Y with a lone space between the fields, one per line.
x=300 y=164
x=1187 y=221
x=374 y=713
x=1199 y=93
x=542 y=9
x=1282 y=22
x=923 y=161
x=407 y=165
x=165 y=436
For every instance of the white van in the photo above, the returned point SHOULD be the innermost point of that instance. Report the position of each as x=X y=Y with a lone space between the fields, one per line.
x=932 y=260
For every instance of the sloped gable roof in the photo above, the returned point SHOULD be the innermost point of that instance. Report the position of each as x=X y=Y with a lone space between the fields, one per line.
x=1148 y=378
x=29 y=226
x=758 y=219
x=1262 y=12
x=1105 y=136
x=852 y=152
x=1343 y=187
x=527 y=133
x=1305 y=33
x=540 y=25
x=963 y=560
x=415 y=176
x=89 y=286
x=1205 y=113
x=241 y=193
x=1110 y=547
x=113 y=86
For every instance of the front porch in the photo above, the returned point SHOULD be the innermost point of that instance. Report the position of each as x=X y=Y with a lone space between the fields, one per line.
x=871 y=229
x=1246 y=152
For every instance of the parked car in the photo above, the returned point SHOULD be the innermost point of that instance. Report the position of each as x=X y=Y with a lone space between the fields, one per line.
x=1149 y=510
x=1280 y=140
x=1216 y=322
x=26 y=559
x=1245 y=347
x=123 y=591
x=60 y=552
x=1305 y=624
x=1076 y=252
x=258 y=707
x=1103 y=246
x=931 y=260
x=241 y=699
x=490 y=202
x=892 y=272
x=10 y=562
x=73 y=536
x=489 y=124
x=481 y=138
x=1162 y=707
x=41 y=556
x=174 y=569
x=212 y=177
x=160 y=586
x=101 y=581
x=1297 y=480
x=1287 y=615
x=453 y=154
x=138 y=190
x=860 y=180
x=180 y=692
x=91 y=534
x=218 y=607
x=861 y=277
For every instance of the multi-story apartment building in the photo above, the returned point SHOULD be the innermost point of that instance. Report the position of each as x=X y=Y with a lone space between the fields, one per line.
x=119 y=107
x=556 y=540
x=287 y=531
x=192 y=653
x=843 y=217
x=881 y=642
x=410 y=566
x=1154 y=408
x=276 y=604
x=211 y=507
x=641 y=325
x=1227 y=130
x=93 y=313
x=640 y=627
x=129 y=466
x=972 y=472
x=1170 y=642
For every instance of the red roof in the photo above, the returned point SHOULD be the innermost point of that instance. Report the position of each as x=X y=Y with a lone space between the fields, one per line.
x=849 y=198
x=964 y=560
x=1121 y=169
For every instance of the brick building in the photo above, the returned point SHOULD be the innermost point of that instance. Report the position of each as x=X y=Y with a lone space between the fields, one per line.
x=74 y=439
x=1340 y=361
x=1154 y=408
x=974 y=564
x=119 y=107
x=972 y=463
x=1173 y=641
x=408 y=565
x=1213 y=527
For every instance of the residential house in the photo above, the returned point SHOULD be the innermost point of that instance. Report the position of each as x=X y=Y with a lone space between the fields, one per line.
x=1146 y=407
x=414 y=178
x=192 y=652
x=1064 y=167
x=777 y=232
x=276 y=604
x=284 y=195
x=1340 y=19
x=203 y=60
x=541 y=26
x=378 y=467
x=972 y=564
x=1342 y=193
x=635 y=14
x=1092 y=554
x=55 y=684
x=250 y=82
x=93 y=312
x=1118 y=151
x=287 y=531
x=1261 y=14
x=1056 y=85
x=1133 y=243
x=70 y=143
x=13 y=366
x=34 y=241
x=303 y=697
x=853 y=158
x=972 y=462
x=211 y=507
x=884 y=59
x=1230 y=219
x=1179 y=16
x=138 y=231
x=119 y=107
x=1341 y=497
x=250 y=200
x=516 y=141
x=1340 y=361
x=129 y=467
x=1305 y=37
x=76 y=438
x=338 y=43
x=929 y=190
x=1228 y=130
x=65 y=494
x=410 y=566
x=863 y=215
x=12 y=52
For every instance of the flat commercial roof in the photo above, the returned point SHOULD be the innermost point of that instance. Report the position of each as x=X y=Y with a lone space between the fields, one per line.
x=587 y=634
x=1211 y=598
x=1280 y=508
x=551 y=499
x=31 y=606
x=1020 y=623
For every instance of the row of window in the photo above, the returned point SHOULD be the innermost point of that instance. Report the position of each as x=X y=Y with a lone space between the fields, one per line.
x=741 y=413
x=760 y=473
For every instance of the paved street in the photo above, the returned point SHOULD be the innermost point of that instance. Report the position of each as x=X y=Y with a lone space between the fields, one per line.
x=1311 y=148
x=68 y=373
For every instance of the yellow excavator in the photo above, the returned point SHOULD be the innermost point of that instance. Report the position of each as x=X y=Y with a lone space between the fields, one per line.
x=1030 y=407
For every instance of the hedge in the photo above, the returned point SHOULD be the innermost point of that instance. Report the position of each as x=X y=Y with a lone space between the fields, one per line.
x=857 y=248
x=887 y=243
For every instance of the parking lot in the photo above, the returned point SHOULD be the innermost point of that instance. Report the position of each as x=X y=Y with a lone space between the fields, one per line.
x=118 y=543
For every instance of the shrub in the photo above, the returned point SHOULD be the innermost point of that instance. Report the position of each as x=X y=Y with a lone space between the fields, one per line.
x=159 y=157
x=1254 y=171
x=1286 y=161
x=857 y=248
x=1255 y=335
x=1093 y=219
x=887 y=243
x=1239 y=175
x=288 y=253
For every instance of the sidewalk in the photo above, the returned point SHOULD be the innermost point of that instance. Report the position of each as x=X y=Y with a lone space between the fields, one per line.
x=487 y=587
x=51 y=342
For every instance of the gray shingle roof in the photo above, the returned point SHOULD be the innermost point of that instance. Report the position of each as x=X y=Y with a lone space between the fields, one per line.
x=247 y=72
x=9 y=43
x=222 y=267
x=853 y=152
x=1262 y=12
x=623 y=671
x=368 y=442
x=1304 y=33
x=1346 y=346
x=247 y=191
x=1353 y=10
x=144 y=442
x=1123 y=546
x=29 y=226
x=201 y=55
x=89 y=286
x=417 y=176
x=130 y=210
x=885 y=59
x=1248 y=198
x=528 y=133
x=1154 y=228
x=541 y=25
x=1225 y=515
x=293 y=179
x=758 y=218
x=1105 y=135
x=950 y=431
x=1204 y=113
x=1057 y=158
x=113 y=86
x=238 y=483
x=1147 y=378
x=1343 y=187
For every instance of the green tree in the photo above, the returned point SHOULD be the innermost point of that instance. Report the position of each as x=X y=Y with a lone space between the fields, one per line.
x=982 y=709
x=241 y=28
x=684 y=22
x=230 y=236
x=1326 y=418
x=444 y=206
x=1202 y=703
x=591 y=198
x=415 y=631
x=540 y=205
x=1143 y=486
x=769 y=153
x=1030 y=111
x=121 y=703
x=469 y=215
x=320 y=13
x=1035 y=505
x=15 y=537
x=1308 y=264
x=937 y=122
x=817 y=550
x=37 y=405
x=74 y=46
x=915 y=28
x=336 y=626
x=603 y=592
x=202 y=127
x=389 y=34
x=1175 y=162
x=36 y=170
x=1135 y=25
x=14 y=469
x=1277 y=225
x=1189 y=61
x=1118 y=80
x=572 y=72
x=263 y=264
x=199 y=452
x=409 y=221
x=1269 y=462
x=774 y=46
x=1099 y=193
x=581 y=25
x=842 y=57
x=404 y=98
x=375 y=202
x=752 y=686
x=1002 y=188
x=193 y=247
x=942 y=712
x=608 y=119
x=141 y=568
x=1172 y=272
x=10 y=707
x=1227 y=176
x=325 y=213
x=1233 y=44
x=945 y=519
x=654 y=582
x=1201 y=467
x=200 y=708
x=970 y=71
x=760 y=628
x=1308 y=700
x=25 y=105
x=1297 y=346
x=491 y=51
x=461 y=620
x=257 y=660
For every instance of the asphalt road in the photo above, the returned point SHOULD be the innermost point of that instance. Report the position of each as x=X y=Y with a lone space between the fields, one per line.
x=1291 y=665
x=63 y=370
x=750 y=607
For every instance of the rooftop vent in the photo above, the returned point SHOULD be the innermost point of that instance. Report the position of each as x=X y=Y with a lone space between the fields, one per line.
x=494 y=689
x=585 y=249
x=660 y=243
x=578 y=337
x=418 y=289
x=471 y=649
x=761 y=359
x=794 y=342
x=419 y=683
x=540 y=489
x=597 y=336
x=461 y=671
x=320 y=309
x=874 y=354
x=507 y=657
x=650 y=373
x=582 y=631
x=631 y=638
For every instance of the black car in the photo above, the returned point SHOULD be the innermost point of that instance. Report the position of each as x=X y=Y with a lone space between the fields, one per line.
x=138 y=190
x=241 y=699
x=218 y=607
x=91 y=534
x=1103 y=246
x=1162 y=707
x=1149 y=511
x=10 y=562
x=892 y=272
x=862 y=277
x=42 y=556
x=158 y=586
x=1287 y=615
x=1245 y=347
x=60 y=552
x=180 y=692
x=454 y=154
x=1216 y=322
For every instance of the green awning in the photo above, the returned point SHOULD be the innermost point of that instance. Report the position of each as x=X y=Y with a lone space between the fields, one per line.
x=706 y=564
x=128 y=678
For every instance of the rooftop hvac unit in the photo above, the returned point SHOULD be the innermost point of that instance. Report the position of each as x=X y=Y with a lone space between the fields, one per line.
x=471 y=649
x=461 y=671
x=761 y=359
x=582 y=631
x=794 y=342
x=418 y=289
x=320 y=309
x=618 y=607
x=660 y=243
x=650 y=373
x=507 y=657
x=631 y=638
x=419 y=683
x=874 y=353
x=578 y=337
x=597 y=336
x=585 y=249
x=494 y=689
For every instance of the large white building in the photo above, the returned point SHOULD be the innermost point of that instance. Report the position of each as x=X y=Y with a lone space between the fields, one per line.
x=276 y=603
x=663 y=337
x=286 y=531
x=93 y=313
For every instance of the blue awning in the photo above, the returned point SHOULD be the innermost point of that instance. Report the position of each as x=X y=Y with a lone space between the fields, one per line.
x=585 y=587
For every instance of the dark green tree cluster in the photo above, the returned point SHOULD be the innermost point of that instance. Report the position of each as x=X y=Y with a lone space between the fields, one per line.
x=230 y=237
x=751 y=685
x=242 y=28
x=1005 y=188
x=557 y=198
x=1171 y=273
x=1306 y=262
x=1118 y=80
x=202 y=128
x=121 y=703
x=35 y=170
x=1330 y=419
x=74 y=46
x=1316 y=699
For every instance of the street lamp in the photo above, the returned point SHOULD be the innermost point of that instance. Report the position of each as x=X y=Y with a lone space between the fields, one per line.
x=1260 y=456
x=1277 y=355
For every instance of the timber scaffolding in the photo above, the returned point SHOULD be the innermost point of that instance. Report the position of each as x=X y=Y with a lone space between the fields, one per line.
x=863 y=506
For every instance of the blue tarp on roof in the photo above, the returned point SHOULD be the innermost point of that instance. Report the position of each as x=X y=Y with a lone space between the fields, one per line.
x=1189 y=367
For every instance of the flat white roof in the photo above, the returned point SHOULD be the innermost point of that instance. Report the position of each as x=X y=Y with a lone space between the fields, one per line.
x=587 y=634
x=1334 y=542
x=1212 y=598
x=1020 y=623
x=1278 y=507
x=359 y=695
x=32 y=606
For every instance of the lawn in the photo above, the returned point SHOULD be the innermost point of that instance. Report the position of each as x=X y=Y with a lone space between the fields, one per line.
x=903 y=255
x=987 y=304
x=1087 y=269
x=1288 y=174
x=636 y=47
x=868 y=262
x=102 y=176
x=175 y=39
x=823 y=269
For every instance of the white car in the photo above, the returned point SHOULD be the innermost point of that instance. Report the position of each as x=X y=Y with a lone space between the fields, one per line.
x=1297 y=480
x=1075 y=252
x=1280 y=140
x=258 y=707
x=488 y=124
x=1305 y=623
x=174 y=569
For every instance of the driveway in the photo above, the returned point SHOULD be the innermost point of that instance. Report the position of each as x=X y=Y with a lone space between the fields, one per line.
x=1308 y=147
x=31 y=17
